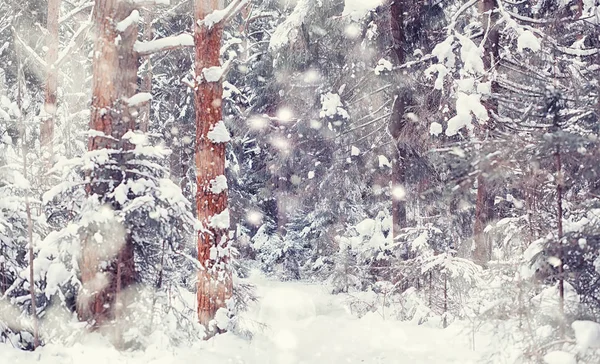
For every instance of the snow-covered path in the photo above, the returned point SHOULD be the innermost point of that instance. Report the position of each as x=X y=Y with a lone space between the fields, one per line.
x=304 y=325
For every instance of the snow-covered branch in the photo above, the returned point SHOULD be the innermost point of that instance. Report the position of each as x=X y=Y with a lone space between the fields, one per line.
x=222 y=15
x=131 y=20
x=141 y=3
x=164 y=44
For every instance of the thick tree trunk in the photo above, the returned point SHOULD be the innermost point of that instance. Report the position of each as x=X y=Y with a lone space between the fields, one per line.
x=214 y=278
x=50 y=104
x=115 y=69
x=485 y=198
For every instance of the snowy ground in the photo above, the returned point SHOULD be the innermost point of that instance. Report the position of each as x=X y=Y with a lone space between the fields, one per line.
x=304 y=324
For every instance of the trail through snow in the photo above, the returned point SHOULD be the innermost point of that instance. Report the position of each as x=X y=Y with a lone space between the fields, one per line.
x=303 y=324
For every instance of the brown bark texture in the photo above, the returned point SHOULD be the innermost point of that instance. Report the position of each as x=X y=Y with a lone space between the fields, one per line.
x=214 y=277
x=485 y=199
x=115 y=67
x=50 y=104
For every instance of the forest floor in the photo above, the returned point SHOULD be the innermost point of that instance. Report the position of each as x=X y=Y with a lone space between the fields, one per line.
x=300 y=323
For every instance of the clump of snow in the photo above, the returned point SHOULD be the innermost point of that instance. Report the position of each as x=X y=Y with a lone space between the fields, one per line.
x=587 y=334
x=354 y=151
x=559 y=357
x=218 y=185
x=365 y=227
x=213 y=18
x=217 y=16
x=435 y=129
x=466 y=106
x=136 y=138
x=219 y=133
x=139 y=99
x=132 y=19
x=157 y=45
x=222 y=319
x=528 y=40
x=382 y=66
x=220 y=220
x=358 y=9
x=444 y=52
x=470 y=54
x=331 y=105
x=311 y=174
x=213 y=74
x=548 y=300
x=384 y=162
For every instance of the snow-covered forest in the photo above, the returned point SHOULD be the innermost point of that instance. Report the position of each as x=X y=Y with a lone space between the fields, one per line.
x=300 y=181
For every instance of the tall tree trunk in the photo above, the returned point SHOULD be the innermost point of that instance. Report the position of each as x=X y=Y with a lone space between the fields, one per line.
x=147 y=80
x=485 y=198
x=50 y=104
x=398 y=10
x=115 y=68
x=559 y=218
x=31 y=252
x=214 y=278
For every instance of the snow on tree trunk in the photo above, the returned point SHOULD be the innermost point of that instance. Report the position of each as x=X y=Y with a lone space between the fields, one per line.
x=214 y=278
x=485 y=199
x=50 y=105
x=115 y=67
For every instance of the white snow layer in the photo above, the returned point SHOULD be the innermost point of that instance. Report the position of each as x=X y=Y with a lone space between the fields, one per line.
x=303 y=323
x=132 y=19
x=220 y=220
x=139 y=98
x=219 y=133
x=331 y=105
x=358 y=9
x=435 y=129
x=382 y=66
x=217 y=16
x=587 y=334
x=218 y=185
x=157 y=45
x=559 y=357
x=213 y=74
x=528 y=40
x=467 y=106
x=384 y=162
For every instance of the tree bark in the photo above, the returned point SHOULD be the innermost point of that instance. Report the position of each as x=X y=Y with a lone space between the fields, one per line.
x=398 y=9
x=50 y=104
x=559 y=218
x=31 y=251
x=485 y=198
x=147 y=81
x=214 y=277
x=115 y=68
